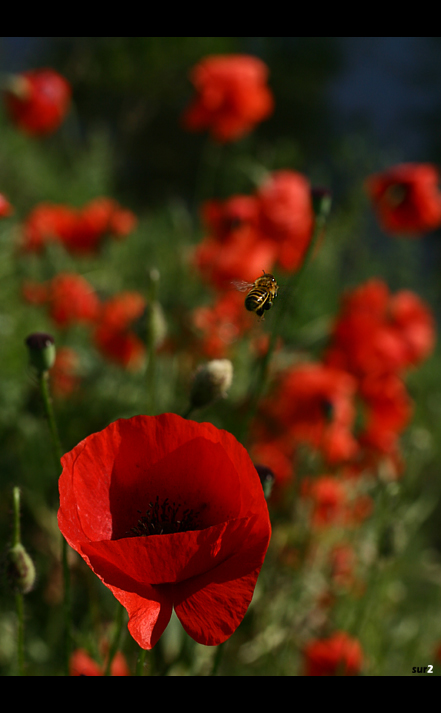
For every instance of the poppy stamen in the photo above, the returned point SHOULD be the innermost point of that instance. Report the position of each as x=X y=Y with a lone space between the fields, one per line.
x=162 y=519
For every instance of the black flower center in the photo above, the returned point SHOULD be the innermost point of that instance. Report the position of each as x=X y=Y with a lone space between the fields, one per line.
x=164 y=519
x=396 y=194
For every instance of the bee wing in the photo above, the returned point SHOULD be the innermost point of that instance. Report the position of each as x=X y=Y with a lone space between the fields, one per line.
x=242 y=286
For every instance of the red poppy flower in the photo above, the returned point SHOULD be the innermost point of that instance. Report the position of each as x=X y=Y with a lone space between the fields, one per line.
x=335 y=502
x=314 y=405
x=97 y=219
x=286 y=216
x=38 y=101
x=81 y=664
x=407 y=198
x=70 y=299
x=64 y=373
x=169 y=513
x=387 y=410
x=232 y=96
x=5 y=207
x=379 y=333
x=222 y=323
x=114 y=336
x=338 y=655
x=44 y=224
x=234 y=248
x=80 y=230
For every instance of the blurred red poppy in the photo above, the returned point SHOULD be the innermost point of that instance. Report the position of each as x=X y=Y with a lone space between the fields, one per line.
x=338 y=655
x=5 y=207
x=38 y=101
x=406 y=198
x=335 y=502
x=70 y=299
x=169 y=513
x=44 y=224
x=232 y=96
x=248 y=234
x=387 y=411
x=114 y=335
x=64 y=373
x=314 y=405
x=286 y=216
x=377 y=332
x=81 y=230
x=222 y=323
x=81 y=664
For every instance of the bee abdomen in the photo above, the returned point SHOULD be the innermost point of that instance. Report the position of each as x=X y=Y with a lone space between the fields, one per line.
x=256 y=299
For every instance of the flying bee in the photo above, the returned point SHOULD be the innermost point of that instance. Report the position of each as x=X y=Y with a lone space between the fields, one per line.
x=261 y=293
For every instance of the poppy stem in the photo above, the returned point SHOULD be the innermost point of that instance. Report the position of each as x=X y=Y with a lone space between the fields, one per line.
x=140 y=663
x=58 y=453
x=49 y=413
x=119 y=620
x=19 y=595
x=217 y=658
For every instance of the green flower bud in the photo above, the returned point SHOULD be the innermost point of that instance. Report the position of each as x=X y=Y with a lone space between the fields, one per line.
x=156 y=325
x=20 y=569
x=211 y=382
x=41 y=350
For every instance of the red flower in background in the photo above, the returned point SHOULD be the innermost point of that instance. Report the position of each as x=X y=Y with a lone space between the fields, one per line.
x=248 y=234
x=64 y=373
x=387 y=411
x=338 y=655
x=5 y=207
x=232 y=96
x=234 y=249
x=81 y=664
x=286 y=216
x=80 y=230
x=376 y=332
x=44 y=224
x=222 y=323
x=335 y=502
x=406 y=198
x=169 y=513
x=38 y=101
x=70 y=299
x=99 y=218
x=314 y=405
x=114 y=336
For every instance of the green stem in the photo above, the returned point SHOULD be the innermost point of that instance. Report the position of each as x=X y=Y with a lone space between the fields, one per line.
x=58 y=453
x=19 y=596
x=217 y=658
x=151 y=342
x=49 y=413
x=119 y=620
x=140 y=662
x=20 y=633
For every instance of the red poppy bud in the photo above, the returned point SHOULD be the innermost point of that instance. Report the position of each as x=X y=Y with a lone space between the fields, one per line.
x=169 y=513
x=41 y=350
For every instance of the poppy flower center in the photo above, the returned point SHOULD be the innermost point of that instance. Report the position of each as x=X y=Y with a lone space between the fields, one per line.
x=396 y=194
x=164 y=519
